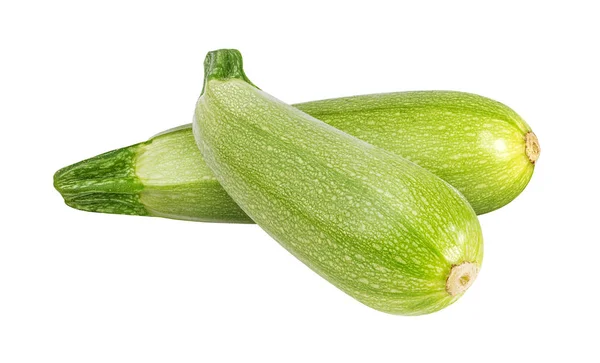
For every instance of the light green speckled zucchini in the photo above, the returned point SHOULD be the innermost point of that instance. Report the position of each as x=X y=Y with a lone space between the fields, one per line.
x=384 y=230
x=480 y=146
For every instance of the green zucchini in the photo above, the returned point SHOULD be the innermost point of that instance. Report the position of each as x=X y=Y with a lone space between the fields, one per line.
x=163 y=177
x=480 y=146
x=379 y=227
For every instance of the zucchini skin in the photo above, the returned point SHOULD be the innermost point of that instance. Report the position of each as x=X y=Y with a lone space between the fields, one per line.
x=382 y=229
x=476 y=144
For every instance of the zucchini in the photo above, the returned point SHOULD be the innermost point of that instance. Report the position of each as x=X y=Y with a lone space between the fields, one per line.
x=163 y=177
x=382 y=229
x=480 y=146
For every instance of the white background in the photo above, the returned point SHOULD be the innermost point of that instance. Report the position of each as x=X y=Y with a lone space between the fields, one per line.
x=78 y=78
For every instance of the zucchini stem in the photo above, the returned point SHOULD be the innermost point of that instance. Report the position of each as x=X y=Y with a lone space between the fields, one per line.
x=223 y=64
x=461 y=277
x=532 y=147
